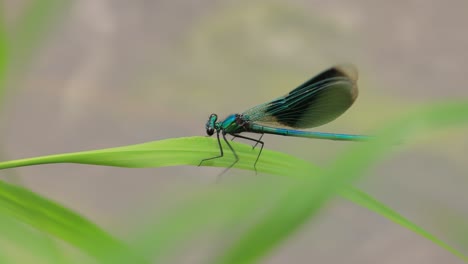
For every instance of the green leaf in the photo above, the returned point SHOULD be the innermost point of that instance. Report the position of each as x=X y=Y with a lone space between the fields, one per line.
x=305 y=199
x=3 y=59
x=53 y=219
x=372 y=204
x=26 y=240
x=176 y=151
x=60 y=222
x=29 y=31
x=285 y=205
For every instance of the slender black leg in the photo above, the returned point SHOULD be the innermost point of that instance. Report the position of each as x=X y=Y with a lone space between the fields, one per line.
x=257 y=141
x=221 y=153
x=233 y=152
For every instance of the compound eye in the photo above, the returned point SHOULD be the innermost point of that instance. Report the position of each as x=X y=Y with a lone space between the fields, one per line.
x=210 y=131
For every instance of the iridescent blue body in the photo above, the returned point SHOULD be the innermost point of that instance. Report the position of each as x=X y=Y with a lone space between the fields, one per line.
x=316 y=102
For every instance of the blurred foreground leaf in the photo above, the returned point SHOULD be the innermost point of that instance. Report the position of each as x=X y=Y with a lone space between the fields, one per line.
x=276 y=209
x=3 y=59
x=32 y=27
x=58 y=221
x=304 y=199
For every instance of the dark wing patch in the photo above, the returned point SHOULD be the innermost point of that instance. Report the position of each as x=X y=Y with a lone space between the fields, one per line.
x=317 y=101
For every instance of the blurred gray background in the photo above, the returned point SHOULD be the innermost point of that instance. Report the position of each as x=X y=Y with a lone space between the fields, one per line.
x=114 y=72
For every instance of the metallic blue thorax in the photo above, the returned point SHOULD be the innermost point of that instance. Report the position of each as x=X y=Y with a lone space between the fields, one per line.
x=232 y=124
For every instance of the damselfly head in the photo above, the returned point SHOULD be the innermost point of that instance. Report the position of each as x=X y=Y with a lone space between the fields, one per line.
x=210 y=124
